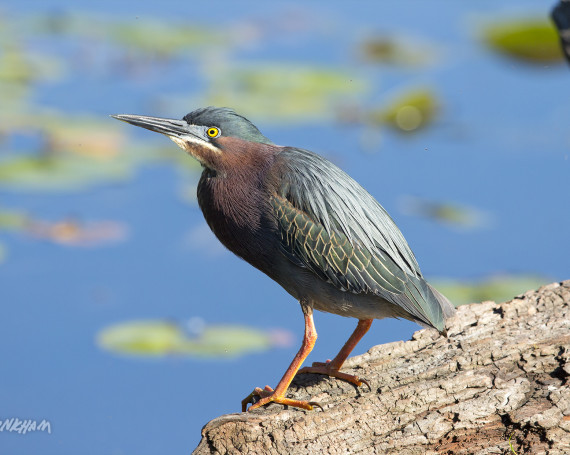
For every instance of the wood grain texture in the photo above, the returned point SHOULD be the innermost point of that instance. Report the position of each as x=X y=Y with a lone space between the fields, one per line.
x=502 y=374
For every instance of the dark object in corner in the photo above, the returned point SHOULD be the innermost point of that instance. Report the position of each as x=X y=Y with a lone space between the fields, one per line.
x=561 y=17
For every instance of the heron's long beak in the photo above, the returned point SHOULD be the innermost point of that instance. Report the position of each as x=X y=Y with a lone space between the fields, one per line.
x=190 y=138
x=167 y=126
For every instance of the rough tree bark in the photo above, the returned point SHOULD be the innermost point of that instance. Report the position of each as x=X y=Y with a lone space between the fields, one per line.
x=497 y=385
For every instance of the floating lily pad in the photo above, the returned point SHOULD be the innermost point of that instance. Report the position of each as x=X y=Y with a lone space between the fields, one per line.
x=76 y=152
x=283 y=92
x=162 y=38
x=145 y=34
x=529 y=40
x=56 y=173
x=12 y=220
x=409 y=111
x=497 y=289
x=446 y=213
x=22 y=67
x=82 y=134
x=72 y=232
x=89 y=139
x=162 y=338
x=395 y=51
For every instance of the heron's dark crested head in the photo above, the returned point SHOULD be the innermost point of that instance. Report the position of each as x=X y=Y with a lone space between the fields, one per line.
x=228 y=122
x=212 y=135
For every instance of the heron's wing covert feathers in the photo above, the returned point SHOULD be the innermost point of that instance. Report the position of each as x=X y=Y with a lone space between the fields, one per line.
x=332 y=226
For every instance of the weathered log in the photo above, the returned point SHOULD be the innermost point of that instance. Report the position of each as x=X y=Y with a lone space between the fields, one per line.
x=497 y=384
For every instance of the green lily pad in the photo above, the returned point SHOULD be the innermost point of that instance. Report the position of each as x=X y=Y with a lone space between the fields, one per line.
x=280 y=92
x=451 y=214
x=162 y=38
x=70 y=232
x=408 y=112
x=21 y=67
x=530 y=40
x=163 y=338
x=56 y=173
x=77 y=152
x=12 y=220
x=497 y=288
x=141 y=38
x=396 y=51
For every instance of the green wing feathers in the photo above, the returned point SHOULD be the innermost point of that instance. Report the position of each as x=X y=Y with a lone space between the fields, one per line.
x=331 y=255
x=332 y=226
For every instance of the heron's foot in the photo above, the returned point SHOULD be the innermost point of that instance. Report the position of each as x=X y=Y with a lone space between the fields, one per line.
x=267 y=395
x=327 y=369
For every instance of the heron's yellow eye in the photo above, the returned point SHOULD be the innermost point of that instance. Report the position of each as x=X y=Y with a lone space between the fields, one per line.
x=213 y=131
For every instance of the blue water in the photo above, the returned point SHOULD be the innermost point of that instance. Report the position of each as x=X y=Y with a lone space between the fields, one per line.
x=502 y=146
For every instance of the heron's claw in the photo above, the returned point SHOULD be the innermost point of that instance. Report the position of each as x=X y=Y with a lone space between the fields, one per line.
x=326 y=369
x=267 y=395
x=314 y=403
x=259 y=392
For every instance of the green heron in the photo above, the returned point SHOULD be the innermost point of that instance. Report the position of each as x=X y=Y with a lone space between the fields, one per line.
x=307 y=225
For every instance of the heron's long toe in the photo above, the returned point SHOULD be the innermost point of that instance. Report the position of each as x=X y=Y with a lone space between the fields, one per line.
x=267 y=395
x=326 y=369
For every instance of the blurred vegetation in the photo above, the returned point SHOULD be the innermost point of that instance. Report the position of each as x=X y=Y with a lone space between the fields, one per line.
x=11 y=220
x=153 y=37
x=408 y=111
x=75 y=152
x=280 y=92
x=532 y=40
x=58 y=173
x=164 y=338
x=70 y=231
x=162 y=39
x=497 y=288
x=22 y=66
x=74 y=232
x=450 y=214
x=393 y=50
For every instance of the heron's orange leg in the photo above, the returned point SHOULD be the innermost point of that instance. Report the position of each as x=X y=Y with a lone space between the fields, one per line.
x=268 y=395
x=332 y=367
